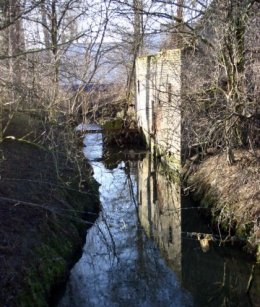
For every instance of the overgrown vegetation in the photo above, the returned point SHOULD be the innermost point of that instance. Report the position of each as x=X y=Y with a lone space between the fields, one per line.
x=62 y=59
x=231 y=194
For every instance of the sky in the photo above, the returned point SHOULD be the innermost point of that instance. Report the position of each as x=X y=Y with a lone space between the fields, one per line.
x=107 y=22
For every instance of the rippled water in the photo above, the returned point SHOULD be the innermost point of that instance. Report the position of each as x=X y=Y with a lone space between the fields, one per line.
x=139 y=251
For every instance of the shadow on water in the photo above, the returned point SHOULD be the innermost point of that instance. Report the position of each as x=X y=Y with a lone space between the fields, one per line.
x=139 y=251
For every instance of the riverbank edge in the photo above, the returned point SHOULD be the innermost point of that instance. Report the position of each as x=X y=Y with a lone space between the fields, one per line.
x=218 y=203
x=204 y=190
x=60 y=237
x=219 y=189
x=59 y=250
x=208 y=190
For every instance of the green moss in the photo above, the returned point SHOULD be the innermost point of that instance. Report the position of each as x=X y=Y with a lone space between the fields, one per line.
x=59 y=233
x=61 y=238
x=171 y=163
x=51 y=266
x=50 y=263
x=244 y=230
x=113 y=125
x=171 y=173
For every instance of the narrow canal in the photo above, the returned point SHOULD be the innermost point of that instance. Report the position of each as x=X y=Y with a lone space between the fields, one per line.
x=144 y=250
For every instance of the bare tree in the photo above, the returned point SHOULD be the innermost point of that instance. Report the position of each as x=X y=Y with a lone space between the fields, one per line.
x=223 y=92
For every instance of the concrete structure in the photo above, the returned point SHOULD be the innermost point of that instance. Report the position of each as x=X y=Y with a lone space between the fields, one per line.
x=179 y=92
x=158 y=96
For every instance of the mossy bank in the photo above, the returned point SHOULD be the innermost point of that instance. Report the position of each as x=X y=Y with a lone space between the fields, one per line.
x=47 y=200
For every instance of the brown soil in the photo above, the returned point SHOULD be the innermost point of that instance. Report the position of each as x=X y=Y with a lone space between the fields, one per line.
x=232 y=193
x=40 y=221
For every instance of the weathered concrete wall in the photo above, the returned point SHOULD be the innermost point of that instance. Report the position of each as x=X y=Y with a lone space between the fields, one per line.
x=158 y=79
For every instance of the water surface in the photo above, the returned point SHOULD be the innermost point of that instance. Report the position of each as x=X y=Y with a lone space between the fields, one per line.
x=142 y=252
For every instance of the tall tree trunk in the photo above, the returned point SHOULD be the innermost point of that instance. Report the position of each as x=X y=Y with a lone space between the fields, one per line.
x=16 y=41
x=176 y=40
x=54 y=40
x=15 y=48
x=46 y=33
x=238 y=12
x=56 y=61
x=137 y=49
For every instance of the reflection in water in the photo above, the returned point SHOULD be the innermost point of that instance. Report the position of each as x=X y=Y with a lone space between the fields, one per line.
x=121 y=265
x=214 y=275
x=160 y=210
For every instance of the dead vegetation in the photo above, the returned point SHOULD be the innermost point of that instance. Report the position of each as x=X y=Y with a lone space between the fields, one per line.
x=232 y=194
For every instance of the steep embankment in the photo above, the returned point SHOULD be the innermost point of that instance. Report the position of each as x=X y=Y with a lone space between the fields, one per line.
x=43 y=200
x=232 y=195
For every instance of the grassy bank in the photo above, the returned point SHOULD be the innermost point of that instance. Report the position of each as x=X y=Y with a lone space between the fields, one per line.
x=231 y=193
x=47 y=201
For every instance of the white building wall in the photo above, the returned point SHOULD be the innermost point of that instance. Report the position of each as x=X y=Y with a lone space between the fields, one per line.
x=142 y=94
x=158 y=86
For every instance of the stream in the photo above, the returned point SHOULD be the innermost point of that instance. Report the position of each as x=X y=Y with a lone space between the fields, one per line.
x=143 y=249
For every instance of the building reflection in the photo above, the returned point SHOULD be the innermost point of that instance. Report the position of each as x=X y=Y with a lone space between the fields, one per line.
x=218 y=276
x=160 y=210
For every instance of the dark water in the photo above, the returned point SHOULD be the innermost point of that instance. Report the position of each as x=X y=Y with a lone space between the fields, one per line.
x=144 y=250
